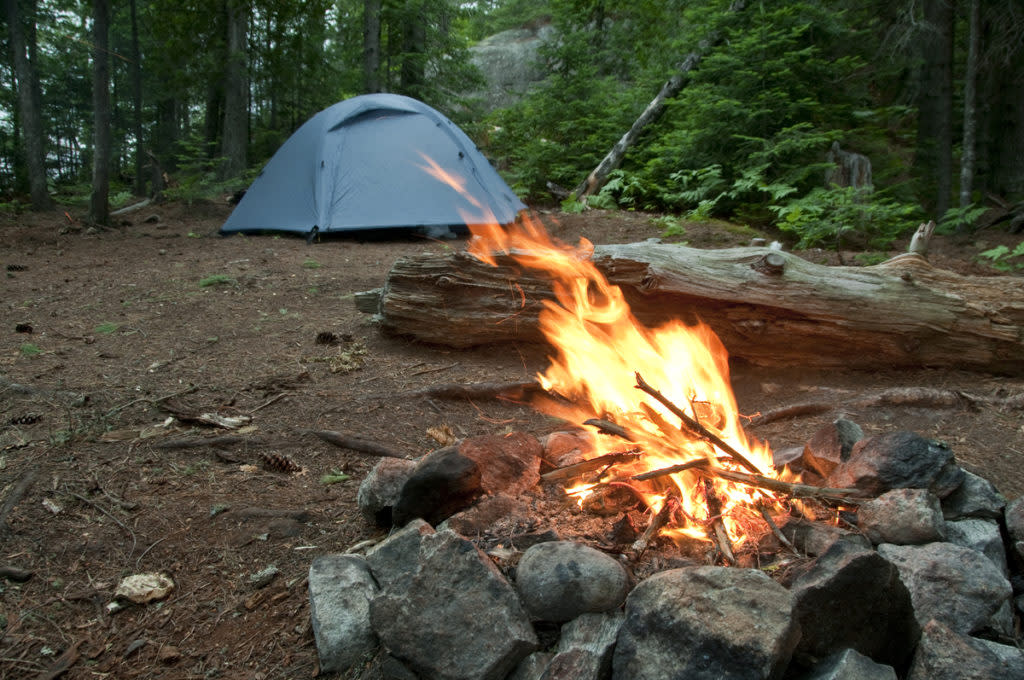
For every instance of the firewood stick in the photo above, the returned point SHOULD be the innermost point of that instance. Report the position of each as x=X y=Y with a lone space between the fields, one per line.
x=657 y=523
x=718 y=532
x=355 y=444
x=577 y=469
x=775 y=529
x=671 y=470
x=608 y=427
x=694 y=425
x=792 y=411
x=789 y=488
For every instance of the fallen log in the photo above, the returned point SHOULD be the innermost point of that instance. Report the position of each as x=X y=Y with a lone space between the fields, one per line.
x=768 y=307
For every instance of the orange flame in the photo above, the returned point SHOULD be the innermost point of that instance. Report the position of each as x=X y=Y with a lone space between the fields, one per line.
x=599 y=346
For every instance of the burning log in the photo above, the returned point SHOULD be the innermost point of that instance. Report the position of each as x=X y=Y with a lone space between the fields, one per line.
x=718 y=532
x=658 y=522
x=579 y=469
x=900 y=313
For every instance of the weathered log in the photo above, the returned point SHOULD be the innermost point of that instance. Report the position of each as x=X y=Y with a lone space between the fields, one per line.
x=900 y=313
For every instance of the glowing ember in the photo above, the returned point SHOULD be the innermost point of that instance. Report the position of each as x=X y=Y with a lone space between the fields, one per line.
x=600 y=349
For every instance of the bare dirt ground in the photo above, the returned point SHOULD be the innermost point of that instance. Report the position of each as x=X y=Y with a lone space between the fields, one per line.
x=108 y=334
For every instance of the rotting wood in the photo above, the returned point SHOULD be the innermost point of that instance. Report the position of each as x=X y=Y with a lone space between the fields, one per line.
x=345 y=441
x=901 y=313
x=15 y=574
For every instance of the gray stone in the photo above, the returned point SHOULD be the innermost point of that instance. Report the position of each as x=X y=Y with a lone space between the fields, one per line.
x=982 y=535
x=976 y=497
x=442 y=483
x=831 y=445
x=944 y=654
x=510 y=64
x=850 y=665
x=379 y=491
x=792 y=456
x=853 y=598
x=706 y=623
x=1015 y=525
x=815 y=538
x=340 y=591
x=508 y=463
x=559 y=581
x=585 y=647
x=899 y=460
x=383 y=666
x=455 y=617
x=958 y=586
x=904 y=517
x=533 y=666
x=395 y=559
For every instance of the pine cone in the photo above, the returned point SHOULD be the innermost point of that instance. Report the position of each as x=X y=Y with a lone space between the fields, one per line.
x=277 y=462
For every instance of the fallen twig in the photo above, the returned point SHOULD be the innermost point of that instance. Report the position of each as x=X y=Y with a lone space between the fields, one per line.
x=111 y=516
x=718 y=533
x=793 y=411
x=775 y=529
x=355 y=444
x=189 y=442
x=478 y=391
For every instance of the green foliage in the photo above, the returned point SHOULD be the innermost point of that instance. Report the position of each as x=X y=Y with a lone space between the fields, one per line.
x=310 y=263
x=844 y=216
x=670 y=226
x=334 y=477
x=106 y=328
x=29 y=349
x=1003 y=258
x=961 y=219
x=217 y=280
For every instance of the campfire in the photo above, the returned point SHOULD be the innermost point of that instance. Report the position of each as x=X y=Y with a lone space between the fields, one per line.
x=521 y=526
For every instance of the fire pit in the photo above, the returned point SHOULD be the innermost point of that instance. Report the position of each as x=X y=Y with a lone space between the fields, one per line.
x=654 y=539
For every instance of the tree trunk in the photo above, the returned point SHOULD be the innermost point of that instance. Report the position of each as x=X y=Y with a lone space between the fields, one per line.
x=599 y=175
x=768 y=307
x=99 y=208
x=934 y=159
x=139 y=184
x=29 y=110
x=235 y=136
x=414 y=48
x=371 y=46
x=968 y=158
x=1005 y=124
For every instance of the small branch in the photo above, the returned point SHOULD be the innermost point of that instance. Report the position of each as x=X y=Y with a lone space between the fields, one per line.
x=608 y=427
x=111 y=516
x=775 y=529
x=793 y=411
x=695 y=426
x=355 y=444
x=718 y=532
x=269 y=402
x=189 y=442
x=663 y=472
x=657 y=523
x=478 y=391
x=791 y=489
x=157 y=400
x=578 y=469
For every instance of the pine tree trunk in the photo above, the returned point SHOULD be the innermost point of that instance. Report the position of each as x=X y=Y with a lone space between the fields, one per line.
x=29 y=110
x=235 y=136
x=99 y=208
x=968 y=158
x=414 y=47
x=611 y=162
x=371 y=46
x=135 y=68
x=934 y=160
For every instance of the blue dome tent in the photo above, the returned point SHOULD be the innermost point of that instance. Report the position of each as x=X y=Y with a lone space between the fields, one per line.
x=372 y=162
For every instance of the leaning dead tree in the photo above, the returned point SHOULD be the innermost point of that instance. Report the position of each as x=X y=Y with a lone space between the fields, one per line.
x=599 y=175
x=768 y=307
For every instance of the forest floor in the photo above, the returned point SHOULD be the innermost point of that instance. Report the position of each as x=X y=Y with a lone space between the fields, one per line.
x=107 y=334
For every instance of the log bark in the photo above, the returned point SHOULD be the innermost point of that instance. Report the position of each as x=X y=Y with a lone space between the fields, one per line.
x=767 y=306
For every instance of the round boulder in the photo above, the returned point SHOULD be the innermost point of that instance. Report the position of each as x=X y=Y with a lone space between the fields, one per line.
x=560 y=580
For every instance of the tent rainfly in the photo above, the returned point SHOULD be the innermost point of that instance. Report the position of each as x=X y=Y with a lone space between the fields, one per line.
x=373 y=162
